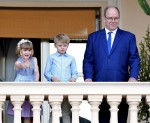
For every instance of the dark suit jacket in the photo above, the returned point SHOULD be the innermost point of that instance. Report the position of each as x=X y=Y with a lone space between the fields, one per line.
x=122 y=63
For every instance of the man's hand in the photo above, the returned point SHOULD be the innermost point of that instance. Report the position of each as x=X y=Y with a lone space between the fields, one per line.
x=88 y=80
x=132 y=80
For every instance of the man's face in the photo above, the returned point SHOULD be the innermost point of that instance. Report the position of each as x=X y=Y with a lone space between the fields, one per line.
x=111 y=19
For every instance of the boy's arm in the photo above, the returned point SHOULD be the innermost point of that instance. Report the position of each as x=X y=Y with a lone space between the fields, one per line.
x=74 y=71
x=47 y=72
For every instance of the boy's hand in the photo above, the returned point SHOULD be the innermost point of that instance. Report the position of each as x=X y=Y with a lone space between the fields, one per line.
x=55 y=79
x=72 y=80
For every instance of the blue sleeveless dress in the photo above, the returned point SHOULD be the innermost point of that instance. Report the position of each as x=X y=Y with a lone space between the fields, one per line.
x=24 y=75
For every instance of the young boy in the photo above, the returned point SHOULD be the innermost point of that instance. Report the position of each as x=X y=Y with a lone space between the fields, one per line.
x=61 y=67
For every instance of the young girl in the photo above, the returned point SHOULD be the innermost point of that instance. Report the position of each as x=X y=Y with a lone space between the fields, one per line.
x=26 y=71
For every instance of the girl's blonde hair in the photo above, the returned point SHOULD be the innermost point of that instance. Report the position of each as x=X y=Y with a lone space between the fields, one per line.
x=63 y=38
x=24 y=44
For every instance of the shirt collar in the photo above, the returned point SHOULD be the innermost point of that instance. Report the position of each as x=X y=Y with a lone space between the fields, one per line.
x=58 y=54
x=114 y=31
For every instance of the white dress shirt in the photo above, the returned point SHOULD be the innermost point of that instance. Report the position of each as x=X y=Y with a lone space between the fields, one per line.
x=112 y=35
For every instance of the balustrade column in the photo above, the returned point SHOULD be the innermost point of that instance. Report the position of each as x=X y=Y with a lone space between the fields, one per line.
x=2 y=99
x=75 y=101
x=133 y=101
x=36 y=102
x=95 y=101
x=17 y=101
x=114 y=101
x=55 y=101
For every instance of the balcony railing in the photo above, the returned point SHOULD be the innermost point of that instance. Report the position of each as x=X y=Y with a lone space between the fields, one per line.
x=93 y=92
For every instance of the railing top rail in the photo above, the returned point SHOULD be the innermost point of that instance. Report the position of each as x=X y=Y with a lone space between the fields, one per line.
x=63 y=88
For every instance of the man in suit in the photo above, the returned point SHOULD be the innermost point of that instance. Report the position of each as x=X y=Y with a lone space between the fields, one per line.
x=111 y=55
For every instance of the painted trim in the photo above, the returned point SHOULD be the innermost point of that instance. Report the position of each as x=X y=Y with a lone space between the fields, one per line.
x=54 y=4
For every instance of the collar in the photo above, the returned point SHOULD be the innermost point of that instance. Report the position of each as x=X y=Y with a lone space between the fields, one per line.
x=23 y=59
x=58 y=54
x=114 y=31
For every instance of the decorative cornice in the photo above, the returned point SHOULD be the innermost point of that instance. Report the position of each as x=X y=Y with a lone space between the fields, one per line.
x=53 y=3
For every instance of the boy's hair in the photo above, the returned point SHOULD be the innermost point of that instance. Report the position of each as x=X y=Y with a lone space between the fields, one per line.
x=24 y=44
x=63 y=38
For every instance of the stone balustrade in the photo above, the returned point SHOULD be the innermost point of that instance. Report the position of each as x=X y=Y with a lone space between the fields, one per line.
x=76 y=92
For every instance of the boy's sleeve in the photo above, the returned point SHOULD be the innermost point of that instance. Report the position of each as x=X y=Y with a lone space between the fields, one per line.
x=47 y=72
x=74 y=70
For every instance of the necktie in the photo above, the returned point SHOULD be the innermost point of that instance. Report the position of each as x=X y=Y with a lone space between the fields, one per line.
x=109 y=42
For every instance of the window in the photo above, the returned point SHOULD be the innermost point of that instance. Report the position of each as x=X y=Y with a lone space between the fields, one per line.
x=77 y=50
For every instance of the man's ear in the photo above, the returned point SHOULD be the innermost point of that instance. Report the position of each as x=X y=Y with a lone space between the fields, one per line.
x=103 y=19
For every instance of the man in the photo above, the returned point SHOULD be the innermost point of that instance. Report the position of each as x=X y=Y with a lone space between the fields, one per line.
x=111 y=55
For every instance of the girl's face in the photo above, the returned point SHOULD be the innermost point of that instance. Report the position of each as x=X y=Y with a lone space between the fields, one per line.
x=61 y=47
x=25 y=53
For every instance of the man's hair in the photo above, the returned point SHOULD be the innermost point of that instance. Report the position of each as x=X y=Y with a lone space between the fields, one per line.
x=63 y=38
x=105 y=10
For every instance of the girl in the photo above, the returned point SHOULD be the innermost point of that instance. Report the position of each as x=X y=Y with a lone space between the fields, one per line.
x=26 y=71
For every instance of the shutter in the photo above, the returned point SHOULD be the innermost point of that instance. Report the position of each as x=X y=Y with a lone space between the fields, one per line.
x=45 y=22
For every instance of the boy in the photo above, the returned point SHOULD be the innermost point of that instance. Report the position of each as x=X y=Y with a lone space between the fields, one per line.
x=61 y=67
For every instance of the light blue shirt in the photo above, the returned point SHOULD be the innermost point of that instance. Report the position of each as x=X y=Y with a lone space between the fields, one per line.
x=62 y=66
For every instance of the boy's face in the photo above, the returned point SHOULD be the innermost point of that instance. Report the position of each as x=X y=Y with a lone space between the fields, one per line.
x=61 y=47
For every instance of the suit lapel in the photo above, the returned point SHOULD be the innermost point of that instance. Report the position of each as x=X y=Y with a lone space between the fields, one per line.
x=116 y=40
x=104 y=41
